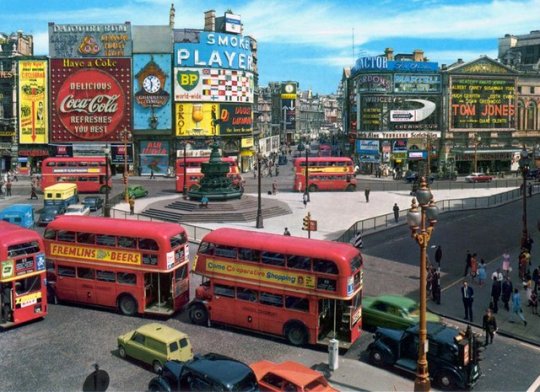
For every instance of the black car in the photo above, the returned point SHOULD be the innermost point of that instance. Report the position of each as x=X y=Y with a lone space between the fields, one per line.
x=209 y=372
x=453 y=356
x=412 y=177
x=93 y=202
x=48 y=213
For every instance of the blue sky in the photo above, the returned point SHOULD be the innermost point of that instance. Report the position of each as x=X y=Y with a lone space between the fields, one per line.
x=309 y=41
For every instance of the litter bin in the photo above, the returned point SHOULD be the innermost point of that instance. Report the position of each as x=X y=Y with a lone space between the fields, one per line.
x=333 y=354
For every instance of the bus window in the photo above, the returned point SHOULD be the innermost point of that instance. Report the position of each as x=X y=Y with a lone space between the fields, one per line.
x=325 y=266
x=178 y=240
x=67 y=236
x=127 y=278
x=86 y=238
x=246 y=294
x=105 y=276
x=127 y=242
x=273 y=258
x=106 y=240
x=31 y=283
x=149 y=259
x=64 y=270
x=299 y=262
x=224 y=291
x=297 y=303
x=148 y=244
x=225 y=251
x=206 y=248
x=271 y=299
x=85 y=273
x=326 y=284
x=246 y=254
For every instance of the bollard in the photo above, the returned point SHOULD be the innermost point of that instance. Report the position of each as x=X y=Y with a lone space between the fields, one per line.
x=333 y=354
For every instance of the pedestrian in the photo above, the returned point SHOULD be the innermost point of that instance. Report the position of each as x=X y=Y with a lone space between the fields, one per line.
x=274 y=188
x=131 y=205
x=528 y=244
x=467 y=295
x=467 y=263
x=305 y=199
x=530 y=188
x=482 y=272
x=506 y=263
x=506 y=292
x=287 y=232
x=489 y=323
x=396 y=212
x=366 y=193
x=516 y=307
x=436 y=285
x=474 y=267
x=151 y=173
x=33 y=194
x=498 y=274
x=534 y=303
x=536 y=278
x=357 y=240
x=438 y=255
x=496 y=289
x=8 y=188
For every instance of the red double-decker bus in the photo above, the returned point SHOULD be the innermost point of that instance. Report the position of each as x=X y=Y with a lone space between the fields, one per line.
x=194 y=174
x=23 y=289
x=308 y=291
x=137 y=267
x=324 y=174
x=89 y=173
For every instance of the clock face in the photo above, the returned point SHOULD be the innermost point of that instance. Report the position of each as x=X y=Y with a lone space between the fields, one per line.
x=289 y=88
x=151 y=84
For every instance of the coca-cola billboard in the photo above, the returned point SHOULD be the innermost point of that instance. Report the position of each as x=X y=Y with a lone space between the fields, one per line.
x=91 y=99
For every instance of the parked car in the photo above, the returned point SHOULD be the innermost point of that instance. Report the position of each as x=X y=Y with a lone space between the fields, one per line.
x=391 y=311
x=155 y=344
x=413 y=177
x=478 y=177
x=289 y=376
x=209 y=372
x=137 y=191
x=453 y=355
x=93 y=202
x=77 y=209
x=48 y=213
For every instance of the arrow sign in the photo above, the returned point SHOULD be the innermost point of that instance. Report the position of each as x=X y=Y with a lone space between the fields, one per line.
x=414 y=115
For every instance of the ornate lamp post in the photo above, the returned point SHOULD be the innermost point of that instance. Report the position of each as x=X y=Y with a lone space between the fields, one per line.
x=126 y=137
x=184 y=187
x=418 y=216
x=259 y=224
x=524 y=162
x=306 y=193
x=106 y=207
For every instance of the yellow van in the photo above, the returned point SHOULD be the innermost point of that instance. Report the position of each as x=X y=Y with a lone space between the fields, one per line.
x=62 y=194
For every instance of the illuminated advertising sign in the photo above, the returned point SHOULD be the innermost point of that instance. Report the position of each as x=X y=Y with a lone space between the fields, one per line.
x=89 y=40
x=482 y=103
x=288 y=113
x=151 y=90
x=215 y=50
x=414 y=83
x=261 y=274
x=374 y=83
x=213 y=85
x=235 y=120
x=399 y=113
x=154 y=156
x=368 y=151
x=33 y=103
x=233 y=23
x=95 y=254
x=382 y=63
x=91 y=99
x=197 y=119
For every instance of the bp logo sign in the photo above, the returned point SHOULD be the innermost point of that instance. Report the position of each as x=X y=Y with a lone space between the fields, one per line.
x=188 y=80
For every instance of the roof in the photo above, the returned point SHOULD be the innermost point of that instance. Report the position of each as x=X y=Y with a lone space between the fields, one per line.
x=161 y=332
x=226 y=370
x=398 y=300
x=61 y=186
x=14 y=234
x=293 y=371
x=18 y=208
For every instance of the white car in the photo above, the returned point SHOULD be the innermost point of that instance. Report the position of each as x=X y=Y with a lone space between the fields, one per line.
x=77 y=209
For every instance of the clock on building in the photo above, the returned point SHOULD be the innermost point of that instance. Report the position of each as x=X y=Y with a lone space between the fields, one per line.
x=151 y=84
x=289 y=88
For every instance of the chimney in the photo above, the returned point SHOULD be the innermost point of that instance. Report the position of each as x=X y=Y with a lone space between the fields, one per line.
x=210 y=20
x=171 y=16
x=389 y=53
x=418 y=55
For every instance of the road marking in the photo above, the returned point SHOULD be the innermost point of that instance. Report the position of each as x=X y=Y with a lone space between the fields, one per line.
x=535 y=385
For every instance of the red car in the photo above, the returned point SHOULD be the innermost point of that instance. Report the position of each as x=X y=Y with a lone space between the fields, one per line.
x=289 y=376
x=478 y=177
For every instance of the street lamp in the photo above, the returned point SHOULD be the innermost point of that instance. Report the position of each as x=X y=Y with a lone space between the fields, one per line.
x=126 y=136
x=184 y=188
x=524 y=162
x=259 y=224
x=306 y=192
x=106 y=207
x=417 y=217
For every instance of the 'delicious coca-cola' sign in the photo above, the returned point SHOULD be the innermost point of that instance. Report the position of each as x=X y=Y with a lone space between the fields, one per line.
x=91 y=99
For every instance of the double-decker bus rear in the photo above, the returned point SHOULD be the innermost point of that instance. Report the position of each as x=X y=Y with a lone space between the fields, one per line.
x=23 y=291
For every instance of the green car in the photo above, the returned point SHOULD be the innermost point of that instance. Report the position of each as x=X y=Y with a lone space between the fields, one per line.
x=137 y=191
x=391 y=311
x=155 y=344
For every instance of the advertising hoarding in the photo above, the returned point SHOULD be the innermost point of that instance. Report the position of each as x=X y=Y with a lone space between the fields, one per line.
x=374 y=83
x=215 y=50
x=482 y=103
x=368 y=151
x=235 y=120
x=196 y=119
x=382 y=63
x=415 y=83
x=90 y=40
x=33 y=103
x=154 y=156
x=213 y=85
x=288 y=114
x=92 y=99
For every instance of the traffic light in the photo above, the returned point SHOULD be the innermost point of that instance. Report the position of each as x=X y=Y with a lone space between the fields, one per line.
x=478 y=349
x=307 y=218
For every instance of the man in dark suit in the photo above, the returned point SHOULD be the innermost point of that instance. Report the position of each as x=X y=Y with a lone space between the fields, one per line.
x=467 y=294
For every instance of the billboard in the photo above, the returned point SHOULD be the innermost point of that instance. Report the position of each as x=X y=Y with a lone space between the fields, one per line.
x=196 y=119
x=90 y=40
x=213 y=85
x=235 y=120
x=151 y=91
x=416 y=83
x=215 y=50
x=399 y=113
x=154 y=156
x=368 y=151
x=33 y=103
x=92 y=99
x=382 y=63
x=482 y=103
x=374 y=83
x=288 y=113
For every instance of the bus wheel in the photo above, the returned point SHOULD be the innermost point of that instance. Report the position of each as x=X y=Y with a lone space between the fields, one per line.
x=350 y=188
x=122 y=352
x=198 y=315
x=313 y=188
x=127 y=305
x=296 y=334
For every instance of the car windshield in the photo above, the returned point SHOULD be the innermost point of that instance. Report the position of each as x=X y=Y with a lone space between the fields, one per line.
x=248 y=383
x=413 y=311
x=319 y=384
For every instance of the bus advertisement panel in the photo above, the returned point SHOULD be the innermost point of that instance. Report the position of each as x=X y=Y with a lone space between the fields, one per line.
x=137 y=267
x=304 y=290
x=191 y=166
x=89 y=173
x=324 y=174
x=23 y=292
